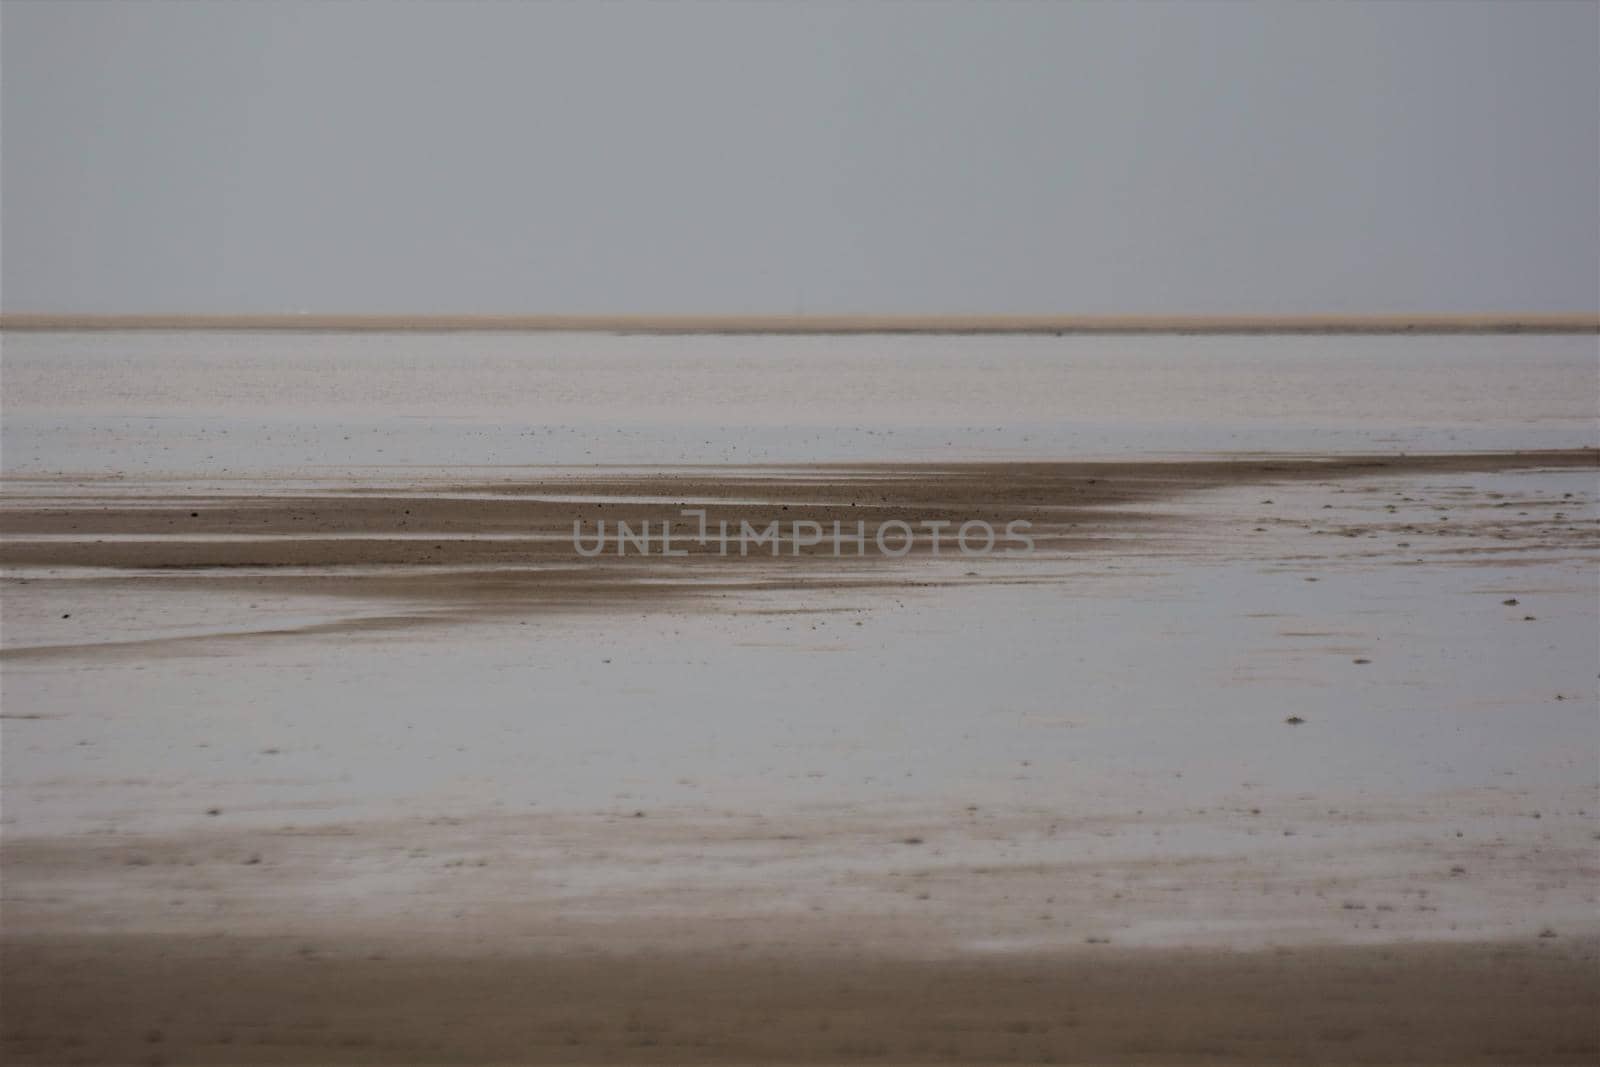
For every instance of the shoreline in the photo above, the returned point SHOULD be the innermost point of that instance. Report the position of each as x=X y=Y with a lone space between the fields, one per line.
x=292 y=1001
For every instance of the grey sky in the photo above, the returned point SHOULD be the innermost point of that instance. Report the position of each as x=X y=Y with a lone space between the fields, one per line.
x=505 y=157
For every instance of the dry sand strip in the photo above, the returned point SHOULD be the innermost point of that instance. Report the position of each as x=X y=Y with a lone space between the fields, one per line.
x=443 y=550
x=1510 y=322
x=196 y=1000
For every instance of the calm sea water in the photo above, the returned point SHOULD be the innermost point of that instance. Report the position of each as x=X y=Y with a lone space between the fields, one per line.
x=235 y=403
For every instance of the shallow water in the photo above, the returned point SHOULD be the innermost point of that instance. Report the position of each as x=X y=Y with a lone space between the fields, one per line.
x=1049 y=728
x=231 y=404
x=1135 y=701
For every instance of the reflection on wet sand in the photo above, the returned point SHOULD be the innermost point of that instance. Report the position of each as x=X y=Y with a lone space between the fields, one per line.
x=1263 y=759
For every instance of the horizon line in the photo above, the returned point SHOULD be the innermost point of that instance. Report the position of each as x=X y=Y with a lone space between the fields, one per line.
x=802 y=324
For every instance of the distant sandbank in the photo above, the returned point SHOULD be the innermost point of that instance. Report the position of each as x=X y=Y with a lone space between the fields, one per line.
x=1588 y=322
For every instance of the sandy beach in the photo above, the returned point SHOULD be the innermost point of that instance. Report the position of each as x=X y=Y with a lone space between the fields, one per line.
x=384 y=772
x=324 y=743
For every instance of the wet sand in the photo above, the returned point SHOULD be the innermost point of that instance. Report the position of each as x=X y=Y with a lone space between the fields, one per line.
x=157 y=1000
x=431 y=538
x=332 y=772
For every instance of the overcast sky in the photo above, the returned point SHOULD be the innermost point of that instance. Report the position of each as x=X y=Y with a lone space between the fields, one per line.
x=1096 y=158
